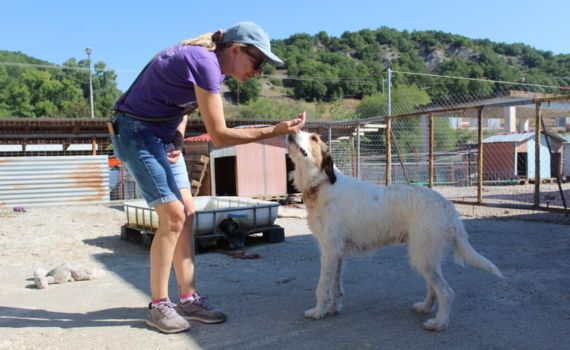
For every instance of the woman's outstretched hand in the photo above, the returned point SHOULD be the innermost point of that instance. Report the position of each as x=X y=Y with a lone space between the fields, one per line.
x=291 y=126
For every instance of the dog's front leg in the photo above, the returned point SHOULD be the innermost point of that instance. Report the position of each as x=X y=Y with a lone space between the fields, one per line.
x=327 y=289
x=337 y=291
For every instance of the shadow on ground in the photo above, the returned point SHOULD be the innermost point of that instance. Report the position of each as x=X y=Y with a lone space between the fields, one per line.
x=265 y=298
x=14 y=317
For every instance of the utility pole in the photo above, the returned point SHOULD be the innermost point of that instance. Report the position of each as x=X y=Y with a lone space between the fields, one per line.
x=389 y=91
x=88 y=51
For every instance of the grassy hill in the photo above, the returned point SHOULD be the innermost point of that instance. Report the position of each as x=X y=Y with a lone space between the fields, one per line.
x=320 y=71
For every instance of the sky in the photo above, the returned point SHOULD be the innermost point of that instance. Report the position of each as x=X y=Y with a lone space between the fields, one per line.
x=125 y=34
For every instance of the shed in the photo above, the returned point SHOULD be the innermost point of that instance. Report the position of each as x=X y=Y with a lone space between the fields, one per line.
x=512 y=156
x=252 y=169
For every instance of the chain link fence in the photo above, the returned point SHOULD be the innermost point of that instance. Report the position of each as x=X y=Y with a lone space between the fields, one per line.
x=473 y=147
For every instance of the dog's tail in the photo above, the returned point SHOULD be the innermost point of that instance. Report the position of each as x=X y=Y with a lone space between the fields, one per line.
x=464 y=252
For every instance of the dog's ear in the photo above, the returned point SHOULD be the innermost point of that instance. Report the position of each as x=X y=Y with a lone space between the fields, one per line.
x=328 y=166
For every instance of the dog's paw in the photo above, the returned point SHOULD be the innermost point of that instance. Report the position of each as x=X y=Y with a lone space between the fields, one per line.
x=422 y=308
x=435 y=325
x=315 y=313
x=337 y=309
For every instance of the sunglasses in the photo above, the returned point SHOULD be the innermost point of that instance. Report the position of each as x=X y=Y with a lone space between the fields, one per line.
x=259 y=61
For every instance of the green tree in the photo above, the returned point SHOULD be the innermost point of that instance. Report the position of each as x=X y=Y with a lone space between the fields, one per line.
x=105 y=91
x=33 y=88
x=244 y=92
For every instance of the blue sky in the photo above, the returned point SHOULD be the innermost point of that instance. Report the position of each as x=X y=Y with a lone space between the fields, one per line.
x=125 y=33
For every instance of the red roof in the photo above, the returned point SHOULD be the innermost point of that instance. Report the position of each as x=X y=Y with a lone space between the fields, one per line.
x=113 y=162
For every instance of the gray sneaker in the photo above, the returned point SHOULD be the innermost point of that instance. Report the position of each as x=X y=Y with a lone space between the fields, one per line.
x=200 y=310
x=165 y=318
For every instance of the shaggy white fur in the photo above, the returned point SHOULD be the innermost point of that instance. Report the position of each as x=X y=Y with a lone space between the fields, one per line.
x=349 y=216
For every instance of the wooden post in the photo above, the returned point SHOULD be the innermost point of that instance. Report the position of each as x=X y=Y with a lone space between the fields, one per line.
x=480 y=156
x=93 y=146
x=430 y=151
x=537 y=141
x=388 y=150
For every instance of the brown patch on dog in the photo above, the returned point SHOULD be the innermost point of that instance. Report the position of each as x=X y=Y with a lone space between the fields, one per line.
x=323 y=160
x=328 y=167
x=322 y=157
x=316 y=152
x=310 y=197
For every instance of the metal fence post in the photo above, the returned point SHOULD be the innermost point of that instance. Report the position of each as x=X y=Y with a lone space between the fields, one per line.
x=537 y=142
x=389 y=91
x=330 y=139
x=388 y=150
x=480 y=156
x=358 y=149
x=430 y=151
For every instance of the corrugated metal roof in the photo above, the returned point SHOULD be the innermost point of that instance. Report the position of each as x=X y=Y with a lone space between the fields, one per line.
x=509 y=137
x=44 y=147
x=36 y=181
x=81 y=147
x=519 y=137
x=11 y=148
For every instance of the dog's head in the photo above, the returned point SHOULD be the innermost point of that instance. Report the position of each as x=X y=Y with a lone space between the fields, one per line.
x=312 y=159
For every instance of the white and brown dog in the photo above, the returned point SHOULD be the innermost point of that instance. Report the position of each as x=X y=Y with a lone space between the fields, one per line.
x=349 y=216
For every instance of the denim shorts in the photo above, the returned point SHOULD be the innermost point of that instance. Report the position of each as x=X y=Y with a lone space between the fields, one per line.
x=144 y=154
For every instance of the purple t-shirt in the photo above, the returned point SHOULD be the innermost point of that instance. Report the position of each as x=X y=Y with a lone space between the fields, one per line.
x=166 y=88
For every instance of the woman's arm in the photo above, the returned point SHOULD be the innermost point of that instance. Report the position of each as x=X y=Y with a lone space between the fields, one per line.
x=212 y=112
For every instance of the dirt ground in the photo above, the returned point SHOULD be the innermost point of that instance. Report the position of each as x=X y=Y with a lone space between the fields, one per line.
x=265 y=298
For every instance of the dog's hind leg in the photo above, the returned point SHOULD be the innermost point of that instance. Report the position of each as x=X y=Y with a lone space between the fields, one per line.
x=426 y=256
x=444 y=295
x=326 y=290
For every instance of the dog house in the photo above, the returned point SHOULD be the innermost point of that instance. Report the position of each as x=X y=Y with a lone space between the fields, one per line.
x=512 y=156
x=251 y=170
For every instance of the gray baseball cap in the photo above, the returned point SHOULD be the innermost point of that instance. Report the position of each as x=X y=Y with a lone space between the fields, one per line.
x=252 y=34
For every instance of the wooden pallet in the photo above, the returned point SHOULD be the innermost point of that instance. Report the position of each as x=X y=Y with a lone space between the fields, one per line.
x=284 y=199
x=270 y=234
x=197 y=165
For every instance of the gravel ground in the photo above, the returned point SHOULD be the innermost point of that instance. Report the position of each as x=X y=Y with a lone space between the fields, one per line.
x=265 y=298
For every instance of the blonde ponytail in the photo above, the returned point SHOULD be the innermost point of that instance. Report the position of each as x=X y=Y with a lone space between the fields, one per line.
x=210 y=41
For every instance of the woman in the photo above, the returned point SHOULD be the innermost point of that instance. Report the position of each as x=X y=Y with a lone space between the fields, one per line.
x=149 y=126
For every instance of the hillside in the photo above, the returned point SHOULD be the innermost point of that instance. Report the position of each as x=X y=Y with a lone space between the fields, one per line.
x=319 y=68
x=19 y=57
x=355 y=63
